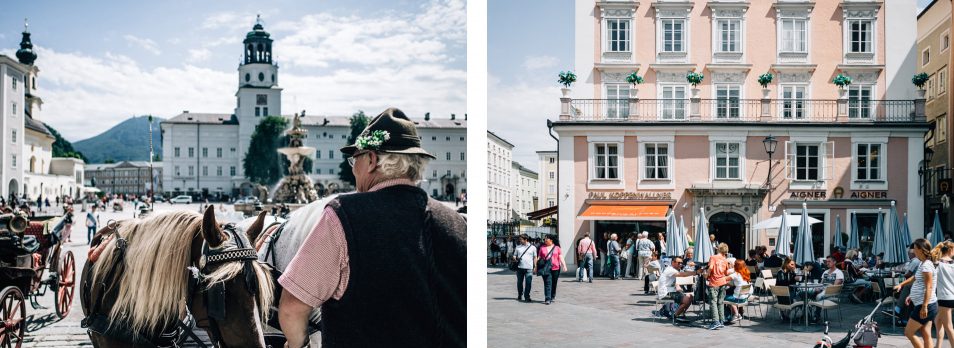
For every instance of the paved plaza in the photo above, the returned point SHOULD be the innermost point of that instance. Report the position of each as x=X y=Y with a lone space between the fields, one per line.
x=611 y=313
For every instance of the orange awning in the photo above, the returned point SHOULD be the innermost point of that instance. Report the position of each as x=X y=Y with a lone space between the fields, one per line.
x=626 y=212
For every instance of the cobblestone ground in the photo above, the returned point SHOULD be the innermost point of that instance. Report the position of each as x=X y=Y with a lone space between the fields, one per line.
x=610 y=313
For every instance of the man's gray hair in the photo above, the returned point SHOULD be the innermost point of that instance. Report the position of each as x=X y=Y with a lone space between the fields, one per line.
x=402 y=166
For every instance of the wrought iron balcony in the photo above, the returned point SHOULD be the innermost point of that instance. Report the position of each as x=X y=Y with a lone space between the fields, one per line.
x=743 y=110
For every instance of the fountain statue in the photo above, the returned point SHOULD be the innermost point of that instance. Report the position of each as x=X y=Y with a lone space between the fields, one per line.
x=296 y=187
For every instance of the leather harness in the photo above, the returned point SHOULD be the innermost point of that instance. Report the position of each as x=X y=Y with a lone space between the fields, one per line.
x=214 y=297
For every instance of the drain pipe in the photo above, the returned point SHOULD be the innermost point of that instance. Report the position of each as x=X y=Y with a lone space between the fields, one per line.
x=550 y=130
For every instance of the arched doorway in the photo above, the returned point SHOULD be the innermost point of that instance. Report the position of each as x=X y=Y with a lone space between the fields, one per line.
x=13 y=186
x=449 y=191
x=729 y=228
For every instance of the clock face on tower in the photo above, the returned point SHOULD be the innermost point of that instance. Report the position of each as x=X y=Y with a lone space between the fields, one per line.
x=247 y=77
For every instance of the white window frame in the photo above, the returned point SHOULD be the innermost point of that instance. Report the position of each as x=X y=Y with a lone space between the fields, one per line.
x=855 y=164
x=825 y=162
x=805 y=35
x=720 y=35
x=806 y=107
x=870 y=139
x=618 y=107
x=849 y=35
x=855 y=107
x=925 y=62
x=683 y=42
x=665 y=103
x=667 y=139
x=615 y=183
x=717 y=105
x=945 y=35
x=714 y=159
x=942 y=81
x=627 y=42
x=941 y=129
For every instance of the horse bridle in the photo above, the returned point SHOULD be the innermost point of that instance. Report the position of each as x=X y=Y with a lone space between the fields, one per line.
x=214 y=295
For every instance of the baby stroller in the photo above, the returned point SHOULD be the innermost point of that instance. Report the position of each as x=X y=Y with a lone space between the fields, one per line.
x=864 y=334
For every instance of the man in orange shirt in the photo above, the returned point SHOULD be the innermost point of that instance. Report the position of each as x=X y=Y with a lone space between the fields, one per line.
x=716 y=277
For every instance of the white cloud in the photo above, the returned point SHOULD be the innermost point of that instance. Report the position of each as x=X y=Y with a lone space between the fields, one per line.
x=199 y=54
x=540 y=62
x=222 y=19
x=519 y=112
x=146 y=44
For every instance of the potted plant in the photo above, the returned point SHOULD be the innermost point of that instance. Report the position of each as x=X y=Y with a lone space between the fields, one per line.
x=764 y=80
x=694 y=79
x=567 y=78
x=919 y=80
x=842 y=81
x=634 y=80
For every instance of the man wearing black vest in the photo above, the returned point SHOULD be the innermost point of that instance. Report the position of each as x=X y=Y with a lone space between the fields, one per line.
x=387 y=265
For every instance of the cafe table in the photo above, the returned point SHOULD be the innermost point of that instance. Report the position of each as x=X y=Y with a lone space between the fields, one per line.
x=806 y=288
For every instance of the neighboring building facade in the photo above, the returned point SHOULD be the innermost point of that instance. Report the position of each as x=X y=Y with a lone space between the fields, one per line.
x=524 y=196
x=126 y=177
x=548 y=178
x=499 y=176
x=626 y=162
x=934 y=57
x=203 y=152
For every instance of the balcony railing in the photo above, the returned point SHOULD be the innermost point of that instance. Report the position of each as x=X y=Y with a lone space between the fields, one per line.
x=743 y=110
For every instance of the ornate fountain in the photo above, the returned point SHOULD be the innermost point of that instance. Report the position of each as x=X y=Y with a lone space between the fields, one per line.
x=296 y=187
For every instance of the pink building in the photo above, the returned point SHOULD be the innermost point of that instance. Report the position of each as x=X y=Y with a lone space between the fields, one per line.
x=629 y=155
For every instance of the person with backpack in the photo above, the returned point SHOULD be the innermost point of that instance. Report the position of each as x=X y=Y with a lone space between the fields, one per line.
x=644 y=252
x=548 y=264
x=585 y=251
x=524 y=256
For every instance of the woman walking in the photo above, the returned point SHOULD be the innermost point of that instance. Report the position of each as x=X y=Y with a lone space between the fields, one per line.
x=944 y=254
x=922 y=297
x=716 y=278
x=550 y=268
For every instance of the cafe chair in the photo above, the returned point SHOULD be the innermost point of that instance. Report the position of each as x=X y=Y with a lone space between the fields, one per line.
x=832 y=292
x=746 y=289
x=783 y=291
x=768 y=274
x=887 y=302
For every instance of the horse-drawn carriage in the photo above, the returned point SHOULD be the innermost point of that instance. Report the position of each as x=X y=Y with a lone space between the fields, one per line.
x=117 y=206
x=31 y=262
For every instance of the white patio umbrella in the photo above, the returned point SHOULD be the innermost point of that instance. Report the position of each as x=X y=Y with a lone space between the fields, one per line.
x=839 y=241
x=804 y=252
x=676 y=245
x=879 y=236
x=937 y=236
x=784 y=236
x=703 y=249
x=776 y=222
x=854 y=241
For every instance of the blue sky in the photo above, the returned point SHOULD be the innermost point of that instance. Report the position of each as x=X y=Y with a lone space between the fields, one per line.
x=102 y=64
x=528 y=43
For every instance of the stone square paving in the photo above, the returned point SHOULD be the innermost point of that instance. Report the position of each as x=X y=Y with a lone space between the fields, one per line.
x=610 y=313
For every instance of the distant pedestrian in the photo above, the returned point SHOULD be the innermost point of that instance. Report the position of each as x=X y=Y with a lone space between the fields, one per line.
x=612 y=250
x=524 y=254
x=494 y=251
x=90 y=226
x=550 y=268
x=644 y=254
x=717 y=277
x=68 y=224
x=585 y=252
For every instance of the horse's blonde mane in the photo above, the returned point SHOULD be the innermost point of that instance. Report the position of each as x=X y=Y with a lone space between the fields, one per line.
x=154 y=266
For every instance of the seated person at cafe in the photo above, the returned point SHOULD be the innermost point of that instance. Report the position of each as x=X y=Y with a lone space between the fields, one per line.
x=751 y=261
x=667 y=286
x=651 y=272
x=738 y=279
x=831 y=276
x=690 y=264
x=774 y=261
x=786 y=277
x=838 y=255
x=855 y=277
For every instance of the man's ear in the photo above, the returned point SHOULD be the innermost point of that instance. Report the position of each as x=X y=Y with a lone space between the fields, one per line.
x=373 y=157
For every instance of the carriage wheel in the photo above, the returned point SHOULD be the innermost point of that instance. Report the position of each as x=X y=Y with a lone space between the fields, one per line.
x=13 y=314
x=67 y=283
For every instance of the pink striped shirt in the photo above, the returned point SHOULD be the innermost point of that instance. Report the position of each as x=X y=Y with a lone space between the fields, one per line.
x=320 y=269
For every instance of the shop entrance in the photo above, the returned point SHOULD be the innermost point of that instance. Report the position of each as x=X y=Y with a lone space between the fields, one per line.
x=729 y=228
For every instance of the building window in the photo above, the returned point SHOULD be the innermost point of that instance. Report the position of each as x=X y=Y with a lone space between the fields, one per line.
x=461 y=138
x=657 y=161
x=945 y=41
x=793 y=102
x=434 y=174
x=807 y=162
x=191 y=152
x=552 y=175
x=232 y=150
x=265 y=111
x=14 y=109
x=258 y=111
x=205 y=152
x=942 y=81
x=191 y=171
x=607 y=161
x=727 y=101
x=176 y=151
x=861 y=36
x=462 y=156
x=869 y=162
x=674 y=102
x=673 y=35
x=617 y=101
x=446 y=138
x=177 y=171
x=941 y=128
x=331 y=154
x=617 y=35
x=14 y=160
x=14 y=135
x=205 y=170
x=232 y=170
x=14 y=84
x=434 y=138
x=730 y=35
x=859 y=101
x=261 y=99
x=926 y=56
x=447 y=157
x=552 y=160
x=794 y=35
x=728 y=165
x=218 y=152
x=318 y=171
x=331 y=171
x=218 y=171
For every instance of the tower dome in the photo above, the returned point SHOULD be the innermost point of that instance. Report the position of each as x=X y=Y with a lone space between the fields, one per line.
x=258 y=44
x=25 y=54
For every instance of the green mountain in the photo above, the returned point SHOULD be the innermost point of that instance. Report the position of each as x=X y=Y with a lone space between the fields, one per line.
x=62 y=147
x=126 y=141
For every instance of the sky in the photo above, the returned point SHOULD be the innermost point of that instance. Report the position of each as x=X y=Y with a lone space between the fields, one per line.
x=525 y=54
x=102 y=64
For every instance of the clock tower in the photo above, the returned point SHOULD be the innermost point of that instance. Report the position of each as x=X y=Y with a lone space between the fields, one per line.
x=258 y=93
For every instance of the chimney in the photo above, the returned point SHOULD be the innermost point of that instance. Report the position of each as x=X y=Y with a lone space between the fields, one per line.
x=453 y=117
x=427 y=116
